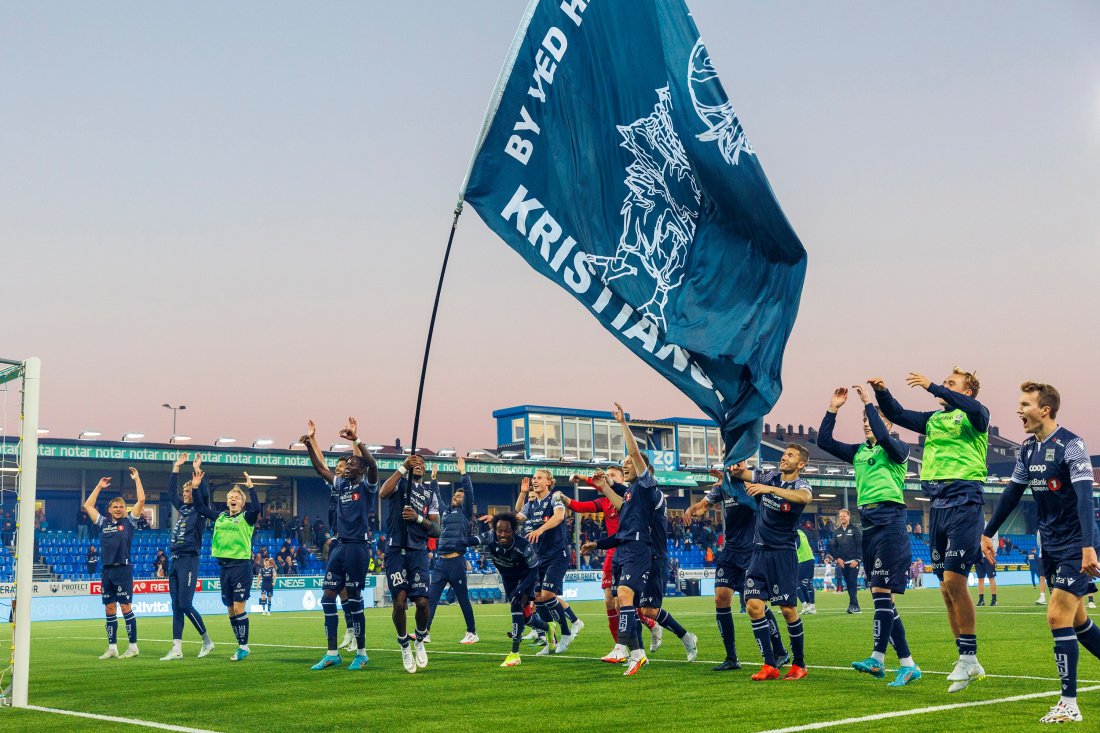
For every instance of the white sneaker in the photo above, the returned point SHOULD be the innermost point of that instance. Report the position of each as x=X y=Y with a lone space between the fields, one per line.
x=531 y=635
x=636 y=661
x=1062 y=713
x=1092 y=604
x=407 y=659
x=576 y=627
x=176 y=653
x=131 y=651
x=617 y=655
x=691 y=646
x=427 y=638
x=348 y=642
x=420 y=653
x=563 y=645
x=111 y=653
x=1041 y=601
x=207 y=647
x=964 y=673
x=470 y=638
x=656 y=636
x=809 y=610
x=545 y=651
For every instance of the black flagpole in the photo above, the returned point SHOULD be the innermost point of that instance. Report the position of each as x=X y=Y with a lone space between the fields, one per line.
x=431 y=327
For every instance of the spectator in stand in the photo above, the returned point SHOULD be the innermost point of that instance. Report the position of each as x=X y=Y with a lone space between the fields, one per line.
x=82 y=524
x=7 y=534
x=294 y=566
x=278 y=527
x=93 y=560
x=708 y=558
x=160 y=565
x=917 y=531
x=305 y=557
x=318 y=531
x=294 y=531
x=257 y=563
x=307 y=532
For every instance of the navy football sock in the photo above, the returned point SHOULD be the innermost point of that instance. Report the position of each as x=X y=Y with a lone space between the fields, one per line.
x=628 y=627
x=354 y=606
x=1065 y=659
x=558 y=612
x=883 y=626
x=968 y=645
x=1089 y=636
x=112 y=630
x=570 y=614
x=725 y=629
x=762 y=632
x=810 y=592
x=348 y=620
x=664 y=618
x=332 y=620
x=131 y=627
x=517 y=635
x=897 y=637
x=240 y=628
x=797 y=643
x=773 y=630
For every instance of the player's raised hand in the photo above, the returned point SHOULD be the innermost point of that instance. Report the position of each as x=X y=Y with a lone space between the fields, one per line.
x=716 y=473
x=525 y=485
x=588 y=548
x=180 y=460
x=619 y=414
x=311 y=431
x=134 y=475
x=487 y=518
x=758 y=489
x=104 y=483
x=197 y=463
x=460 y=464
x=350 y=431
x=918 y=380
x=577 y=479
x=196 y=478
x=435 y=472
x=839 y=397
x=877 y=384
x=990 y=551
x=247 y=480
x=863 y=396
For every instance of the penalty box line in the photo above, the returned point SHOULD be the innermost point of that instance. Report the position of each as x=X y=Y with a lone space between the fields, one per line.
x=574 y=657
x=922 y=711
x=116 y=719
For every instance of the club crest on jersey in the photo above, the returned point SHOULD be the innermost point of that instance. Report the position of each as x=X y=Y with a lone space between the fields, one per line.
x=1050 y=454
x=1054 y=484
x=878 y=563
x=749 y=583
x=775 y=589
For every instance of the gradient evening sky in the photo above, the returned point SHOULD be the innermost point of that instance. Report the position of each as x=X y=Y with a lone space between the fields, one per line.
x=243 y=207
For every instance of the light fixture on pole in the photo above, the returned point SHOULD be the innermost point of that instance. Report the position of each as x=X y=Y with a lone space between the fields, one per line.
x=262 y=442
x=132 y=437
x=174 y=410
x=225 y=440
x=86 y=434
x=179 y=439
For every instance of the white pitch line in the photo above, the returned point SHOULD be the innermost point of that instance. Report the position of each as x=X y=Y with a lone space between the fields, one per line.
x=116 y=719
x=921 y=711
x=574 y=657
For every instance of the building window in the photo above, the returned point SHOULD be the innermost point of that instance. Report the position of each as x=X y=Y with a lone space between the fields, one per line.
x=577 y=438
x=693 y=446
x=517 y=430
x=714 y=446
x=545 y=436
x=607 y=441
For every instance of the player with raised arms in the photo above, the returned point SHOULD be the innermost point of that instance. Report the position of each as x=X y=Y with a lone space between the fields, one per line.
x=117 y=535
x=184 y=547
x=231 y=545
x=456 y=524
x=1054 y=463
x=411 y=514
x=346 y=569
x=880 y=464
x=951 y=474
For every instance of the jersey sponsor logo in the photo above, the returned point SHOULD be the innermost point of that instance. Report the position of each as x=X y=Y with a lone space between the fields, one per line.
x=1038 y=467
x=1054 y=484
x=355 y=496
x=785 y=507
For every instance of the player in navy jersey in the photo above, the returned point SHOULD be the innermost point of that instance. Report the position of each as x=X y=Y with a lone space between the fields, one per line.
x=517 y=562
x=773 y=571
x=268 y=574
x=733 y=561
x=185 y=546
x=117 y=535
x=543 y=518
x=456 y=524
x=633 y=542
x=411 y=515
x=654 y=593
x=1054 y=463
x=352 y=492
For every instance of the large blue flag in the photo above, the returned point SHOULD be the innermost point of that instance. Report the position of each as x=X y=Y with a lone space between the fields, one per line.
x=612 y=161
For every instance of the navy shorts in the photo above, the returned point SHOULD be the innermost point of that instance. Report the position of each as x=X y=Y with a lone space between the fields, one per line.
x=616 y=573
x=731 y=570
x=806 y=572
x=407 y=570
x=236 y=581
x=955 y=537
x=635 y=560
x=183 y=571
x=986 y=569
x=266 y=591
x=347 y=566
x=518 y=589
x=449 y=570
x=887 y=555
x=773 y=577
x=118 y=584
x=654 y=593
x=552 y=572
x=1063 y=572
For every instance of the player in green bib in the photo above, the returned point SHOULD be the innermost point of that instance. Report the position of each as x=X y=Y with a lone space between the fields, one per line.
x=880 y=463
x=953 y=468
x=806 y=567
x=231 y=544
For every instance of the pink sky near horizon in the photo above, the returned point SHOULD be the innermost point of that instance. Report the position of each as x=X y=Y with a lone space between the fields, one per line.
x=246 y=213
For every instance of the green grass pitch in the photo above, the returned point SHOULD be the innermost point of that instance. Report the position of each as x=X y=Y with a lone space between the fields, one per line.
x=464 y=689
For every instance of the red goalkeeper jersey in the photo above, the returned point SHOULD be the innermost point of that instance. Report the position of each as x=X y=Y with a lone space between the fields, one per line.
x=600 y=504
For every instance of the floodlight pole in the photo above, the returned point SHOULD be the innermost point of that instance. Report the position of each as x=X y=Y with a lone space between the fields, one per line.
x=24 y=549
